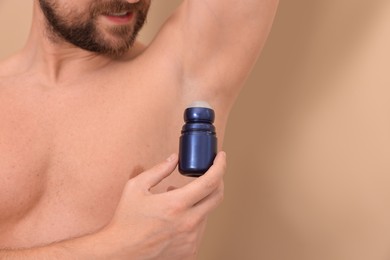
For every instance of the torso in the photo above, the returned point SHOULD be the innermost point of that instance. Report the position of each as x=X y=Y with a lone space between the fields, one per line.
x=67 y=152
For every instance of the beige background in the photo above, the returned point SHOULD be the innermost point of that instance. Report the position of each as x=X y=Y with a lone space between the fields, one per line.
x=309 y=139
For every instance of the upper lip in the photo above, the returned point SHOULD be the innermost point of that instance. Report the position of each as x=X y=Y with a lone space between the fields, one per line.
x=122 y=11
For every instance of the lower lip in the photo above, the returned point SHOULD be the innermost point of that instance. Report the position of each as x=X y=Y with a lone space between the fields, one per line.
x=120 y=19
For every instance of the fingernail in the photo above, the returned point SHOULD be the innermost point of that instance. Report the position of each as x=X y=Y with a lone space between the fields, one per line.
x=171 y=158
x=223 y=154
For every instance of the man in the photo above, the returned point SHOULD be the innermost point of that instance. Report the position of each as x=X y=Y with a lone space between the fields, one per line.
x=87 y=112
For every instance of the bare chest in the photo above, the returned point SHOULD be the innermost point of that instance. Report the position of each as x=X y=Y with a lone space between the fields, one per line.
x=65 y=157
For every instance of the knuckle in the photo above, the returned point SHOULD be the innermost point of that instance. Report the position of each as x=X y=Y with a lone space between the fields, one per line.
x=175 y=207
x=212 y=183
x=189 y=225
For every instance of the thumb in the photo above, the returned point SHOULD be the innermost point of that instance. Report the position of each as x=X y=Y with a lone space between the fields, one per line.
x=150 y=178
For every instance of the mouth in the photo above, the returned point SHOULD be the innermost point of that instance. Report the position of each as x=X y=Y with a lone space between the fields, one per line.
x=120 y=17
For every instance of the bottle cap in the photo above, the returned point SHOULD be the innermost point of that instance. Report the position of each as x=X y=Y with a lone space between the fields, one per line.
x=199 y=111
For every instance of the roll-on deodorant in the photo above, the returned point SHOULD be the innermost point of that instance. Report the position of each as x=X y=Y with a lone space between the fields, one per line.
x=198 y=141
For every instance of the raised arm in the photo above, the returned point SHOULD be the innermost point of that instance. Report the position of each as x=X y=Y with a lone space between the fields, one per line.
x=216 y=42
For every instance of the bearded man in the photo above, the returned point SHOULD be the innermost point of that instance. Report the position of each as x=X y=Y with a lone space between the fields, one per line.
x=88 y=113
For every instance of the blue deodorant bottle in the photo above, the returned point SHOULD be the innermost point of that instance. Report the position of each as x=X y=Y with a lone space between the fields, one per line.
x=198 y=141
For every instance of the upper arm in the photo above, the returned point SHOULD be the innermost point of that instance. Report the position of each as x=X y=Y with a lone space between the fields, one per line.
x=215 y=43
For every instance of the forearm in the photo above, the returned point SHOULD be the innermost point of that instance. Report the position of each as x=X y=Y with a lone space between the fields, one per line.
x=234 y=13
x=232 y=6
x=41 y=253
x=94 y=246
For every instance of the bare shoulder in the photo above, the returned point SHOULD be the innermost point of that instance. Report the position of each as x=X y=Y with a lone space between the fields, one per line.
x=11 y=66
x=6 y=66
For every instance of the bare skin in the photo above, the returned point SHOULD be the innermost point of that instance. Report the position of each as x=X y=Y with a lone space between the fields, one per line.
x=80 y=130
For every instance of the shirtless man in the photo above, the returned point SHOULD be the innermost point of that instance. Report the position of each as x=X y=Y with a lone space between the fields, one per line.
x=88 y=114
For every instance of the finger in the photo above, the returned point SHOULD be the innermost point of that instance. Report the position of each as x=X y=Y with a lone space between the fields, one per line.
x=203 y=186
x=155 y=175
x=208 y=204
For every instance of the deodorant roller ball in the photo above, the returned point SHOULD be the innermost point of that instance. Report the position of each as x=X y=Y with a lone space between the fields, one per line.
x=198 y=141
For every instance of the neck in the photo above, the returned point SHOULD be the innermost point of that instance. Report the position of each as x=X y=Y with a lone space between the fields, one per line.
x=57 y=61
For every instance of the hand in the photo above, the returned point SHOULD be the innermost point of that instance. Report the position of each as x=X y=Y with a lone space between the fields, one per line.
x=165 y=225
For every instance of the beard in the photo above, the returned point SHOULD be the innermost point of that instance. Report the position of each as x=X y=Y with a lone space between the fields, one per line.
x=87 y=34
